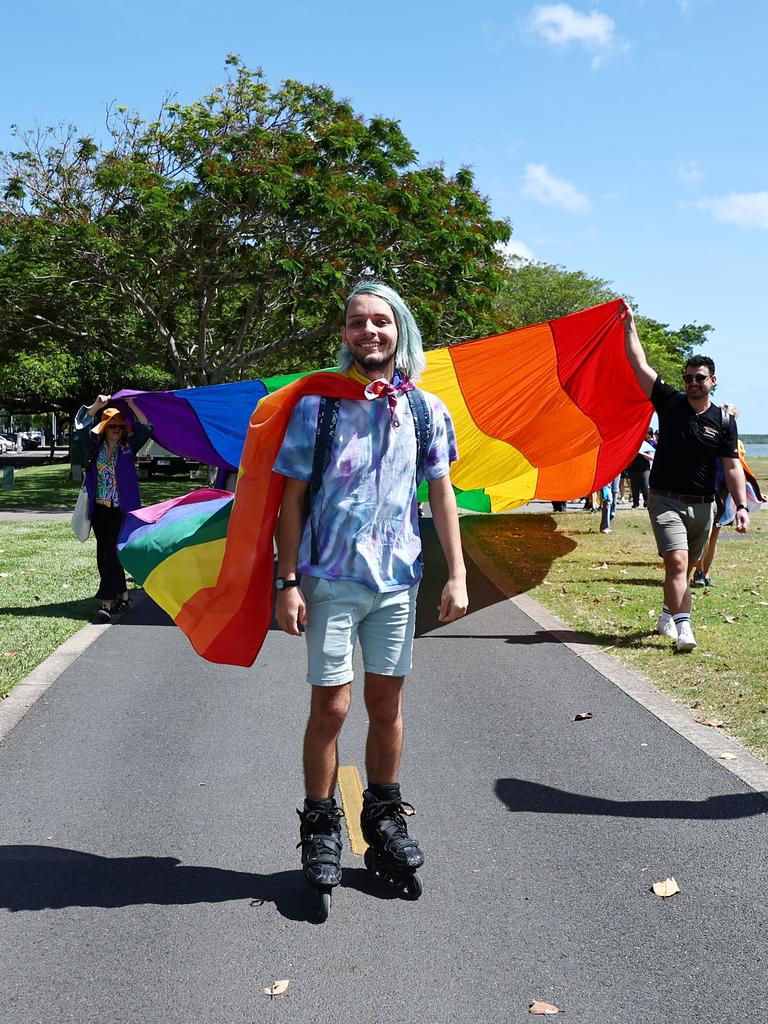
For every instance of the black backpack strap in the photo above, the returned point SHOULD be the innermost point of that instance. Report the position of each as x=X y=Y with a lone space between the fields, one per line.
x=420 y=411
x=327 y=417
x=421 y=421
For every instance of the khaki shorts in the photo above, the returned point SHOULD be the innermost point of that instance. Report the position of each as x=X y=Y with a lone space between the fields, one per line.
x=341 y=612
x=680 y=527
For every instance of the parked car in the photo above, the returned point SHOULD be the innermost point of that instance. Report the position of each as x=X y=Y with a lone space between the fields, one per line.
x=32 y=439
x=153 y=459
x=6 y=445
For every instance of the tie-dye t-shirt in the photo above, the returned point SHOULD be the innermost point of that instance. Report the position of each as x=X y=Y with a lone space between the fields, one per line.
x=365 y=514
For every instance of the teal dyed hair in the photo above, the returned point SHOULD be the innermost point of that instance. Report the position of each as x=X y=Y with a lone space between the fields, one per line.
x=409 y=354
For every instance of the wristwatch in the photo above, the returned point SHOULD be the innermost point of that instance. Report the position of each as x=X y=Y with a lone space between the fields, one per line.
x=281 y=584
x=742 y=508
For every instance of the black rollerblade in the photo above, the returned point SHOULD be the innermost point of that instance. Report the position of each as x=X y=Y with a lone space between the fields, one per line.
x=321 y=849
x=391 y=854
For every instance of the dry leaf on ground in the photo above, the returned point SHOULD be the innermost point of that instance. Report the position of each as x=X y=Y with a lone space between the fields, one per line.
x=726 y=756
x=729 y=618
x=713 y=723
x=277 y=989
x=9 y=654
x=581 y=716
x=538 y=1006
x=666 y=888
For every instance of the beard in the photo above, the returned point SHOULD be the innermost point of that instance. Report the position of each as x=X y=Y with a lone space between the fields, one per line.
x=378 y=360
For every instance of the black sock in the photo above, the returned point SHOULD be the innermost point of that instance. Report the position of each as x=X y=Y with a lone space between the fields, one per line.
x=384 y=790
x=320 y=805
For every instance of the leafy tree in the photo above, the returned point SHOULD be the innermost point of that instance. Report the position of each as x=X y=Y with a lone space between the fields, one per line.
x=51 y=378
x=218 y=240
x=534 y=292
x=667 y=350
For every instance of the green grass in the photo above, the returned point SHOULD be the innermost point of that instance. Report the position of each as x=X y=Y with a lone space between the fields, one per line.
x=49 y=489
x=610 y=588
x=47 y=579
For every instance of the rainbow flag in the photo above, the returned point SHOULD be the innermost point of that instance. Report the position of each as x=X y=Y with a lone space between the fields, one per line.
x=552 y=411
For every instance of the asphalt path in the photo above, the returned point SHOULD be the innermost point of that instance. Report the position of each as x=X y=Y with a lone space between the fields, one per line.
x=147 y=831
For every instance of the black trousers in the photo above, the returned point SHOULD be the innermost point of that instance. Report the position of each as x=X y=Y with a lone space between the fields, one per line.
x=106 y=525
x=638 y=481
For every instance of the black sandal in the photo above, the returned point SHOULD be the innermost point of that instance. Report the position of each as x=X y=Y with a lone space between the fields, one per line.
x=103 y=615
x=122 y=604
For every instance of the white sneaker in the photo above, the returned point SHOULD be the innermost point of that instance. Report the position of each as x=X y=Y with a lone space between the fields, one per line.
x=666 y=626
x=686 y=641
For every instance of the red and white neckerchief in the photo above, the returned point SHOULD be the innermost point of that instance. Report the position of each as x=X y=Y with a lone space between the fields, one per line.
x=391 y=389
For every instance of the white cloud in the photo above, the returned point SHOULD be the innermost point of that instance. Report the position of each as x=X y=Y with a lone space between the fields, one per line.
x=749 y=209
x=517 y=251
x=689 y=172
x=561 y=25
x=543 y=187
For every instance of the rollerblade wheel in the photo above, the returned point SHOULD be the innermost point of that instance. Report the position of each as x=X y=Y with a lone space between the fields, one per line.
x=414 y=886
x=324 y=904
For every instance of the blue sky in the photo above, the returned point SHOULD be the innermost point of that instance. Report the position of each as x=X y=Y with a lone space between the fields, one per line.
x=625 y=138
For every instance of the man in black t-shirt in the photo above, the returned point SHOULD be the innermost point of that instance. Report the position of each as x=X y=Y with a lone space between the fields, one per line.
x=693 y=434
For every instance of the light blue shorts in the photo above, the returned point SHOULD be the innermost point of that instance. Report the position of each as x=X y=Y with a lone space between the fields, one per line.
x=341 y=611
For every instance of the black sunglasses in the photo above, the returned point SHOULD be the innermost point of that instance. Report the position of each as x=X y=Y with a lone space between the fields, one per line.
x=699 y=378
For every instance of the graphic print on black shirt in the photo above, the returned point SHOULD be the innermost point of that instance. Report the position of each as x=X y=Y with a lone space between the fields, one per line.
x=690 y=443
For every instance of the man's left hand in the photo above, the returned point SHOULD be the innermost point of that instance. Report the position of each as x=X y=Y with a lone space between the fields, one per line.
x=742 y=520
x=453 y=601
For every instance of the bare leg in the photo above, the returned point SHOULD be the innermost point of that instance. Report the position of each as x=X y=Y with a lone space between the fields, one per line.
x=327 y=712
x=677 y=593
x=384 y=703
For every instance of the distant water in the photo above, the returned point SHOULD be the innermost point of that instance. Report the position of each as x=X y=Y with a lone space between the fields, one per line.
x=756 y=451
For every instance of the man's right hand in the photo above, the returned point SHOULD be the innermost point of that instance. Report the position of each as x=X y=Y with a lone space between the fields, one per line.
x=291 y=610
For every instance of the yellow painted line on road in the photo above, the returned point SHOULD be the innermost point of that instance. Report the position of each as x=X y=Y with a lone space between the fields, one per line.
x=351 y=789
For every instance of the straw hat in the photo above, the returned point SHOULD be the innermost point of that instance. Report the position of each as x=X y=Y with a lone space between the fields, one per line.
x=111 y=417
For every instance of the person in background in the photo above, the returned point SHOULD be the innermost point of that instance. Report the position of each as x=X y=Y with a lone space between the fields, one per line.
x=113 y=489
x=725 y=510
x=609 y=501
x=640 y=471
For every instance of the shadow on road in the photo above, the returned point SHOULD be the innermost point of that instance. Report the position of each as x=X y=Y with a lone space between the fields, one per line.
x=522 y=795
x=51 y=878
x=80 y=610
x=559 y=636
x=48 y=877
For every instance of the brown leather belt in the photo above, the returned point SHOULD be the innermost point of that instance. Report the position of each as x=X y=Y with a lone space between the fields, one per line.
x=689 y=499
x=106 y=502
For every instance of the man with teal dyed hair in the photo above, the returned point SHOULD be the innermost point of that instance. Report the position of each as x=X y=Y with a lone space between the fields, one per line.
x=358 y=553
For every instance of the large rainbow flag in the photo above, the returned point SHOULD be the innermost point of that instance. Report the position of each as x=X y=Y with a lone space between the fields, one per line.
x=552 y=411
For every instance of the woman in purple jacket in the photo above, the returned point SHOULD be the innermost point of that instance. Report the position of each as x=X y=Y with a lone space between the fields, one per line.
x=113 y=489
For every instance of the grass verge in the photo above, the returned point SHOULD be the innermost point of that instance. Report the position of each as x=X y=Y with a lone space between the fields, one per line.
x=47 y=582
x=49 y=489
x=47 y=577
x=609 y=588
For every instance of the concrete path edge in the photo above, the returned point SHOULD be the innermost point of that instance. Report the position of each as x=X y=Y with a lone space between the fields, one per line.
x=748 y=768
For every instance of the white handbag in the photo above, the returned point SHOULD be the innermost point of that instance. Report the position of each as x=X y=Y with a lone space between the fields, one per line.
x=81 y=524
